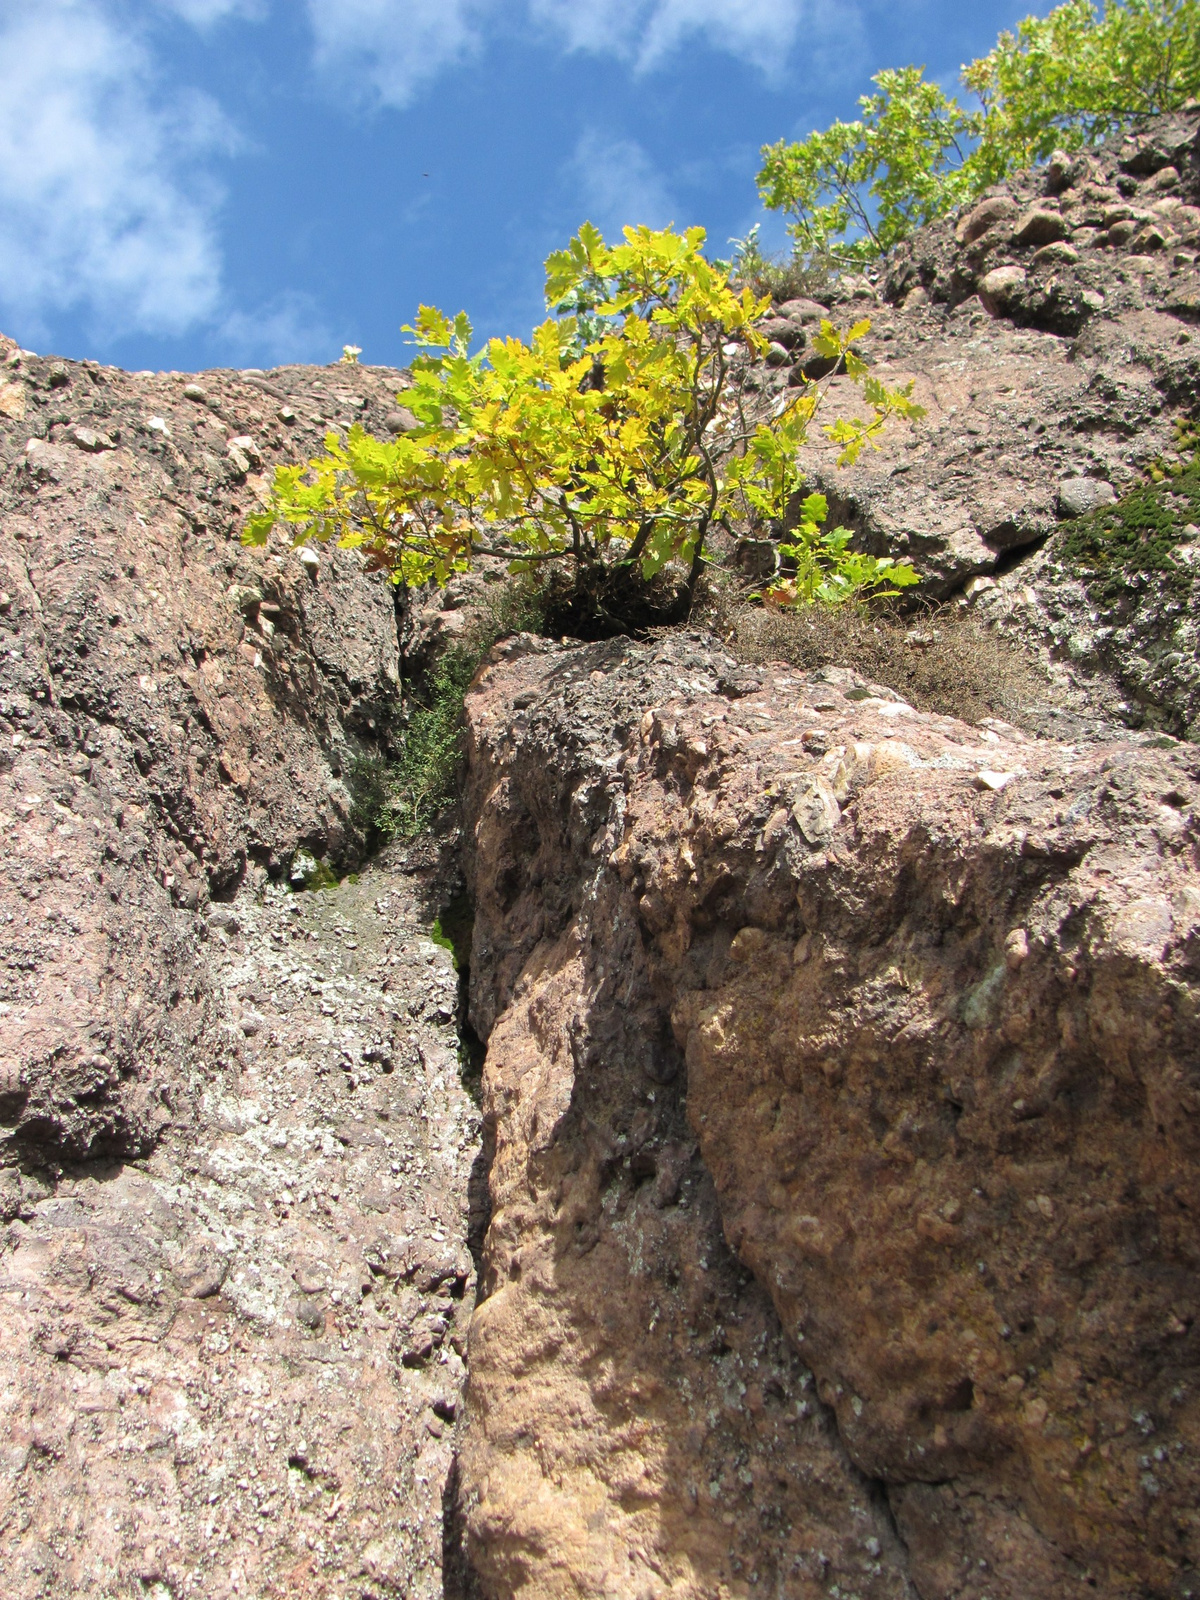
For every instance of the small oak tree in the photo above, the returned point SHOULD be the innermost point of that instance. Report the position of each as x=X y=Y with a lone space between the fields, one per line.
x=617 y=438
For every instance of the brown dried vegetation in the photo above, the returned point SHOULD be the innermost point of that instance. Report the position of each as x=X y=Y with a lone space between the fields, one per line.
x=941 y=660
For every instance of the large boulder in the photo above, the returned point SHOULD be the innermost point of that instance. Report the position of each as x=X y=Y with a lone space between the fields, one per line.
x=919 y=1001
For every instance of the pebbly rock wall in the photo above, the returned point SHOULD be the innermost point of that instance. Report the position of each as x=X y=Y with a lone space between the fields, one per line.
x=175 y=710
x=1050 y=335
x=235 y=1151
x=897 y=1015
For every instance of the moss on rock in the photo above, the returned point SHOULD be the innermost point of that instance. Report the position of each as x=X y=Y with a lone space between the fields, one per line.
x=1123 y=546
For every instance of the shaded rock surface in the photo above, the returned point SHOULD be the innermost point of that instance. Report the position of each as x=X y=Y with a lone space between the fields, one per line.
x=233 y=1368
x=923 y=999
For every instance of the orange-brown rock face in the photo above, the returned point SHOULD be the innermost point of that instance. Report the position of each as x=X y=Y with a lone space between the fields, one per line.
x=918 y=1001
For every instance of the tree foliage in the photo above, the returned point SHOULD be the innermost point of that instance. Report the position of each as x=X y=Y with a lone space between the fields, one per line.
x=1066 y=80
x=858 y=188
x=1077 y=76
x=620 y=435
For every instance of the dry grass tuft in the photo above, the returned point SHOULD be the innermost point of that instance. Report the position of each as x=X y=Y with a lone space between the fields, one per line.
x=940 y=660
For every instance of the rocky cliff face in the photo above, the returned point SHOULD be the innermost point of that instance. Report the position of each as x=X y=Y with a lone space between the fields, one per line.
x=176 y=709
x=1049 y=331
x=911 y=1007
x=1051 y=335
x=839 y=1102
x=236 y=1151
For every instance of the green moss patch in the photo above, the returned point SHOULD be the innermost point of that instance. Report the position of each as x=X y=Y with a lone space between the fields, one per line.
x=454 y=928
x=1115 y=546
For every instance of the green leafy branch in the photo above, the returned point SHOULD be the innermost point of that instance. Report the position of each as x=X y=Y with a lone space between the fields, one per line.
x=621 y=441
x=1072 y=78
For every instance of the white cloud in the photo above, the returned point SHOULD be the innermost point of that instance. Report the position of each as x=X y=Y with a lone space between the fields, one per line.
x=387 y=49
x=203 y=13
x=644 y=31
x=617 y=185
x=98 y=211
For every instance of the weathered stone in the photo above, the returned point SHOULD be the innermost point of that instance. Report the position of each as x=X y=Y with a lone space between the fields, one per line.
x=88 y=439
x=802 y=311
x=150 y=758
x=789 y=336
x=998 y=208
x=1077 y=496
x=1040 y=227
x=1080 y=372
x=1056 y=254
x=939 y=1072
x=998 y=288
x=246 y=446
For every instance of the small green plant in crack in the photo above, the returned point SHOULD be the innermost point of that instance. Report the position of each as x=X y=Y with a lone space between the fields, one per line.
x=615 y=447
x=309 y=873
x=438 y=934
x=421 y=782
x=453 y=929
x=400 y=799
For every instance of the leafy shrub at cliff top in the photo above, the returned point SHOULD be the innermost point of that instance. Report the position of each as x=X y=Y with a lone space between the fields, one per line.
x=1066 y=80
x=613 y=441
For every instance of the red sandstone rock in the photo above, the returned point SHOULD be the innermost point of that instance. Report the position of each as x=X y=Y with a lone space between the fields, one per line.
x=926 y=996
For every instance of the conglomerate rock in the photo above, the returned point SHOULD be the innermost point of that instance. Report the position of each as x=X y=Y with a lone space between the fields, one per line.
x=232 y=1368
x=919 y=1001
x=172 y=708
x=1071 y=369
x=235 y=1153
x=840 y=1090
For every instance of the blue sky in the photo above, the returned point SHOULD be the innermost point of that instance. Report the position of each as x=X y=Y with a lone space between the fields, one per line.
x=189 y=183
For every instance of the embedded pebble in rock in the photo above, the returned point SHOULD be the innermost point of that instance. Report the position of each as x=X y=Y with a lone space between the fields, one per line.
x=1077 y=496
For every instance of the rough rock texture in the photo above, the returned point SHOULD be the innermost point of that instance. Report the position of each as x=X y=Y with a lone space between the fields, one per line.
x=925 y=998
x=231 y=1369
x=840 y=1085
x=171 y=707
x=1075 y=371
x=234 y=1149
x=1114 y=599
